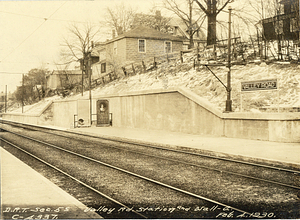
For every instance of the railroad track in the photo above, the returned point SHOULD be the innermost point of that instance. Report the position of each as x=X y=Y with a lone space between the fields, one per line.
x=140 y=149
x=123 y=149
x=113 y=203
x=67 y=133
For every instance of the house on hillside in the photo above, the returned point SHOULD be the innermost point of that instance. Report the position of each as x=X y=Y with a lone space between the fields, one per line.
x=138 y=45
x=173 y=26
x=63 y=79
x=178 y=28
x=283 y=29
x=285 y=25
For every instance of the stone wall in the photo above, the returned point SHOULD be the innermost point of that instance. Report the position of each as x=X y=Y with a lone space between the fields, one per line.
x=115 y=59
x=154 y=48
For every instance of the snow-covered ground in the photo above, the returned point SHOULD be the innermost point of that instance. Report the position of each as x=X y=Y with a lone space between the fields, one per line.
x=35 y=108
x=202 y=82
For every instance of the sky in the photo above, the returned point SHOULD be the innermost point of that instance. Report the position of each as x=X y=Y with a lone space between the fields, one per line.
x=31 y=32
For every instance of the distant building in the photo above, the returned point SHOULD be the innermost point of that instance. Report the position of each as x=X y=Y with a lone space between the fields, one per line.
x=137 y=45
x=178 y=28
x=285 y=25
x=63 y=78
x=2 y=97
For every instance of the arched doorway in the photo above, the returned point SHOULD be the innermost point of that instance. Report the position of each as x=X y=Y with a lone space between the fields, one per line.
x=103 y=113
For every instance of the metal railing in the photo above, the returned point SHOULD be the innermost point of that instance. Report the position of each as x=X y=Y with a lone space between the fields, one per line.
x=94 y=120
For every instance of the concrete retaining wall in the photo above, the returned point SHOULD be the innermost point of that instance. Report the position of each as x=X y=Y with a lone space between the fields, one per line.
x=44 y=117
x=63 y=113
x=23 y=118
x=177 y=110
x=163 y=111
x=181 y=110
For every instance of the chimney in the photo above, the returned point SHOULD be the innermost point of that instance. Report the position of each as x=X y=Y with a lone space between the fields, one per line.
x=175 y=30
x=157 y=14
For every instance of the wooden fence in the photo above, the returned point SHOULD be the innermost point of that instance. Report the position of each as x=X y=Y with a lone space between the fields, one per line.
x=134 y=68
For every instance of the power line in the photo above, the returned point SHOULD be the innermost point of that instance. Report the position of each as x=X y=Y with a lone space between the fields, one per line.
x=11 y=73
x=51 y=19
x=26 y=62
x=45 y=19
x=21 y=14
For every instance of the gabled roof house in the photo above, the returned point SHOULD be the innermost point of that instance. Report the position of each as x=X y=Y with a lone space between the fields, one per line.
x=174 y=26
x=137 y=45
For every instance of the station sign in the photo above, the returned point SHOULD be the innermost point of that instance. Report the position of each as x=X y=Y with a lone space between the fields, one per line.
x=267 y=84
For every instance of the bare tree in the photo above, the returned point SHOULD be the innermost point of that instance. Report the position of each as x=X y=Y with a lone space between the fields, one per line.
x=120 y=17
x=212 y=8
x=33 y=88
x=77 y=47
x=79 y=43
x=185 y=11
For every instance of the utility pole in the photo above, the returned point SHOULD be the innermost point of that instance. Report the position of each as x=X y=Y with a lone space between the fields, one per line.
x=23 y=93
x=89 y=69
x=228 y=88
x=82 y=66
x=5 y=109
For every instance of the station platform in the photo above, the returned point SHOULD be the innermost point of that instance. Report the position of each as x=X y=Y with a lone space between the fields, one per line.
x=27 y=194
x=274 y=153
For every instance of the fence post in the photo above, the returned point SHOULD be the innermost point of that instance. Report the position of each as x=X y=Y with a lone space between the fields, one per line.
x=214 y=52
x=194 y=63
x=167 y=58
x=133 y=69
x=144 y=66
x=181 y=58
x=124 y=71
x=154 y=62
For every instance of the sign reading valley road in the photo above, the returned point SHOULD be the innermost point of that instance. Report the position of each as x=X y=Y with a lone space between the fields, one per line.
x=266 y=84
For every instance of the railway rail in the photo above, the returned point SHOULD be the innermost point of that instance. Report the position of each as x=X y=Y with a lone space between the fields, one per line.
x=141 y=152
x=119 y=204
x=208 y=202
x=67 y=132
x=169 y=156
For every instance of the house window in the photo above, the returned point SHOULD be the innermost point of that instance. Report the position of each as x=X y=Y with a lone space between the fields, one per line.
x=142 y=46
x=294 y=7
x=103 y=67
x=168 y=47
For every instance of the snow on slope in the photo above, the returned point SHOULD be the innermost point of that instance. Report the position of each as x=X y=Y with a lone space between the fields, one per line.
x=202 y=82
x=36 y=108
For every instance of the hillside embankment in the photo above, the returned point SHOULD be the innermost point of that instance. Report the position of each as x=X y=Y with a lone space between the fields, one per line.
x=201 y=81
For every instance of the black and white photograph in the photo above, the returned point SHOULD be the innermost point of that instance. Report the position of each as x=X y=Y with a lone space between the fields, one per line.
x=157 y=109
